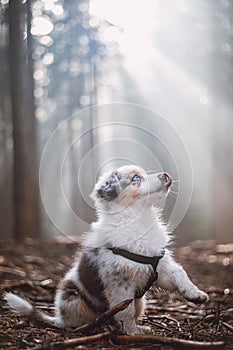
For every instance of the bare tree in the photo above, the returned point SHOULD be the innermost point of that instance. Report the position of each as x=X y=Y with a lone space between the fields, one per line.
x=222 y=127
x=26 y=186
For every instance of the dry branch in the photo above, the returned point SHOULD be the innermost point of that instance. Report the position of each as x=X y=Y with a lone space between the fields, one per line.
x=153 y=339
x=73 y=342
x=106 y=315
x=129 y=339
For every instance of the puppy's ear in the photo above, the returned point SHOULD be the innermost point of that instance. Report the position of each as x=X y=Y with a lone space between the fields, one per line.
x=111 y=189
x=107 y=192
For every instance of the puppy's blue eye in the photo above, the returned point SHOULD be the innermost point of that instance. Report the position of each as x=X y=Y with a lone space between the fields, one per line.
x=136 y=178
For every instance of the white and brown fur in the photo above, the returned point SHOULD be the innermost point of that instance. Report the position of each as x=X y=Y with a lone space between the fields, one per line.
x=127 y=218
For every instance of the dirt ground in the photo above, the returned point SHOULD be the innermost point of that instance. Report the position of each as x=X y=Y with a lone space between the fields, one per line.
x=33 y=269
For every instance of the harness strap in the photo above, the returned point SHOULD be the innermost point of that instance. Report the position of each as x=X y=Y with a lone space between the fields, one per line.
x=141 y=259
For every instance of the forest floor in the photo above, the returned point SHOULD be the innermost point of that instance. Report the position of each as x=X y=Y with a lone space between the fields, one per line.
x=33 y=269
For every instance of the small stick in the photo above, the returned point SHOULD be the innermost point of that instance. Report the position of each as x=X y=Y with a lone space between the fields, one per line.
x=227 y=326
x=114 y=310
x=140 y=339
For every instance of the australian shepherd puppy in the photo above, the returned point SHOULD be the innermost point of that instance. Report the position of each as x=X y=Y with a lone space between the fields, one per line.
x=125 y=252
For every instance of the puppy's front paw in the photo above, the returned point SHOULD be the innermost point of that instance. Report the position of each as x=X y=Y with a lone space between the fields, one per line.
x=130 y=328
x=197 y=296
x=142 y=330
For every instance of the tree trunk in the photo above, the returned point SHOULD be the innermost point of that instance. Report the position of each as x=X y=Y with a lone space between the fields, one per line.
x=222 y=127
x=26 y=184
x=6 y=147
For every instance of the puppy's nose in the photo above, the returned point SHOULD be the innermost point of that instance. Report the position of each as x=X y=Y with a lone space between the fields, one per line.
x=165 y=177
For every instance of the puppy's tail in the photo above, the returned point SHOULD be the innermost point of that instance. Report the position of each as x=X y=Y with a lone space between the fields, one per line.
x=24 y=308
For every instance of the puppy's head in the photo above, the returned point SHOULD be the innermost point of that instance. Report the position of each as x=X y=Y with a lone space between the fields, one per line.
x=130 y=186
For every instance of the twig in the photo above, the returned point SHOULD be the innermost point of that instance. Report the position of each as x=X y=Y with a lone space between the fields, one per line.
x=160 y=325
x=106 y=315
x=35 y=285
x=173 y=309
x=152 y=339
x=227 y=326
x=12 y=271
x=167 y=318
x=73 y=342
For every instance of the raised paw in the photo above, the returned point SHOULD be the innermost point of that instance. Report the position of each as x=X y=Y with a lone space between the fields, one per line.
x=197 y=296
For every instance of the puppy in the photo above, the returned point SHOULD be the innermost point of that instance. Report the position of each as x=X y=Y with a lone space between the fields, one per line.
x=125 y=252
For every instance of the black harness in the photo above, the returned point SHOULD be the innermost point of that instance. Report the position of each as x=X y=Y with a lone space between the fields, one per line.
x=141 y=259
